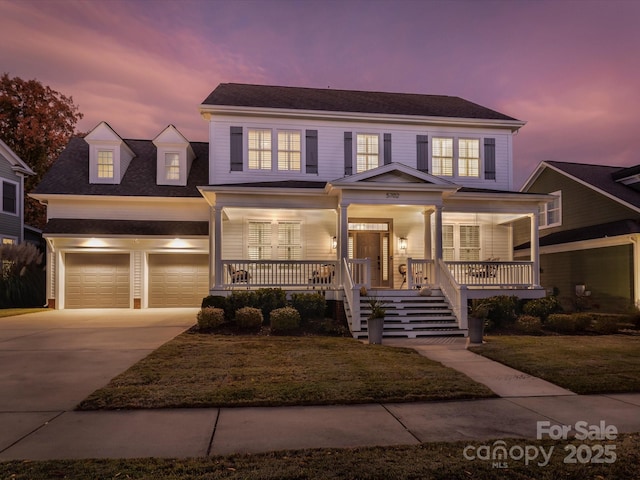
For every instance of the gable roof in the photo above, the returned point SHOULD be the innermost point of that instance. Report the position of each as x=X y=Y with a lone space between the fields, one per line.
x=17 y=164
x=69 y=175
x=354 y=101
x=601 y=178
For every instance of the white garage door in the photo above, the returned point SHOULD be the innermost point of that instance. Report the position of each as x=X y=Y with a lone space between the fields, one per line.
x=178 y=280
x=97 y=280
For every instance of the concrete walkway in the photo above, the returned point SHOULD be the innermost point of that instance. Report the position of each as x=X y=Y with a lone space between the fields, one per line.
x=38 y=422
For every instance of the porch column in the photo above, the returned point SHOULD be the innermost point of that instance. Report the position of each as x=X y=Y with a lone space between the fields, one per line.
x=427 y=234
x=635 y=239
x=535 y=250
x=343 y=239
x=215 y=248
x=438 y=242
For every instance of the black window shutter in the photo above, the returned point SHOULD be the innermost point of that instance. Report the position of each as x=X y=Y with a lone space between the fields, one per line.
x=236 y=149
x=348 y=153
x=387 y=148
x=490 y=158
x=312 y=151
x=422 y=145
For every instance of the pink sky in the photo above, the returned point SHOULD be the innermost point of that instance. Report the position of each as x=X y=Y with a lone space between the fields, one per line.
x=570 y=69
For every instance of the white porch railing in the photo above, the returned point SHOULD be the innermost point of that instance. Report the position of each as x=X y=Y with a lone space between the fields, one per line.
x=420 y=272
x=356 y=276
x=279 y=273
x=455 y=293
x=492 y=274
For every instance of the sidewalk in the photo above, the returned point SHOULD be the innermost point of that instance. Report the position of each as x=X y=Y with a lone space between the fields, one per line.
x=198 y=432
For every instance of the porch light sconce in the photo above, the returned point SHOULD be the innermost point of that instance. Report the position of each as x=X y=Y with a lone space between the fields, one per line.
x=334 y=243
x=402 y=243
x=581 y=291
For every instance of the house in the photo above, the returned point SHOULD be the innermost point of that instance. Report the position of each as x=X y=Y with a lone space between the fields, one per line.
x=12 y=173
x=299 y=188
x=589 y=233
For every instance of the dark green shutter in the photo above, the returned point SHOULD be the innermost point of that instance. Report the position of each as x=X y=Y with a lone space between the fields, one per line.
x=312 y=151
x=490 y=158
x=235 y=153
x=387 y=148
x=348 y=153
x=422 y=159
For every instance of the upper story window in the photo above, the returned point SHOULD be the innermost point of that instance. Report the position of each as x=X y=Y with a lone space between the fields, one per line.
x=172 y=165
x=9 y=197
x=259 y=149
x=367 y=152
x=442 y=157
x=105 y=163
x=551 y=212
x=468 y=157
x=289 y=148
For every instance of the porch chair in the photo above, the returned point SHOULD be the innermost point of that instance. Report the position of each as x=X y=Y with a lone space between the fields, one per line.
x=484 y=271
x=238 y=276
x=323 y=275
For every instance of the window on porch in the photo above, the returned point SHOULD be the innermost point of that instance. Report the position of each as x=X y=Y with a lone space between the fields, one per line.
x=282 y=237
x=461 y=242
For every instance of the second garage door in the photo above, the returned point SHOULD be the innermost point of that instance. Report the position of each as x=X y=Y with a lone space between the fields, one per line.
x=178 y=280
x=97 y=280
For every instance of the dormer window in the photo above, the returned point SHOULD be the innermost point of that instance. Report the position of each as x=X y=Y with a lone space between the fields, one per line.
x=172 y=165
x=105 y=163
x=174 y=157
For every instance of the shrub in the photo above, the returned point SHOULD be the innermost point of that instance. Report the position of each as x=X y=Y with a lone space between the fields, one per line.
x=500 y=311
x=284 y=320
x=528 y=324
x=22 y=277
x=561 y=323
x=541 y=307
x=240 y=299
x=249 y=318
x=210 y=318
x=605 y=324
x=268 y=299
x=311 y=306
x=583 y=321
x=218 y=301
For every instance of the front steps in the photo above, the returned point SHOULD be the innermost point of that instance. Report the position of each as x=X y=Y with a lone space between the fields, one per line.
x=410 y=315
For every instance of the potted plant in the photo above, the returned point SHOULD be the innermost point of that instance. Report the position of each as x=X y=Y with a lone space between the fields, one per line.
x=375 y=322
x=478 y=313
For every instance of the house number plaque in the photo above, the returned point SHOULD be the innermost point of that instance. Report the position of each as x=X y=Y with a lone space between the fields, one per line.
x=393 y=195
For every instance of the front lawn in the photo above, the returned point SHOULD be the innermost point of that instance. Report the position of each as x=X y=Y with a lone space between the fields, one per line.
x=582 y=364
x=442 y=461
x=10 y=312
x=201 y=370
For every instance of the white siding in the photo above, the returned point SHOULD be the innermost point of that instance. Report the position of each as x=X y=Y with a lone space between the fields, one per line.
x=331 y=149
x=129 y=209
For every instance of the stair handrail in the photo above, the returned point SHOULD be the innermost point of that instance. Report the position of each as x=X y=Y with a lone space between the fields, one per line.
x=352 y=295
x=455 y=294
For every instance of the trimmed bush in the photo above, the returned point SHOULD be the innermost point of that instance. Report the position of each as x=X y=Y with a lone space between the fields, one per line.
x=605 y=324
x=501 y=310
x=311 y=306
x=218 y=301
x=561 y=323
x=22 y=276
x=210 y=318
x=249 y=318
x=541 y=307
x=528 y=324
x=240 y=299
x=268 y=299
x=583 y=321
x=284 y=320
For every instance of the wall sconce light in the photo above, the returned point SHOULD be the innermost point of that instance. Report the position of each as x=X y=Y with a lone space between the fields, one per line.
x=178 y=243
x=334 y=243
x=402 y=243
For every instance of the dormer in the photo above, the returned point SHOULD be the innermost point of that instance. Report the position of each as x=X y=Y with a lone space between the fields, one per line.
x=109 y=155
x=174 y=158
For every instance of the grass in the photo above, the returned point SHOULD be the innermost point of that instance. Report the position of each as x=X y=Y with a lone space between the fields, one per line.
x=201 y=370
x=582 y=364
x=10 y=312
x=424 y=461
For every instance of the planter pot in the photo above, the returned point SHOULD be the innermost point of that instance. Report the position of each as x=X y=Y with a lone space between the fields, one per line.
x=476 y=329
x=374 y=329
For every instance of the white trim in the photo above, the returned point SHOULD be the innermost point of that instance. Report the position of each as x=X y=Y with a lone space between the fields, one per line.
x=618 y=240
x=17 y=164
x=544 y=211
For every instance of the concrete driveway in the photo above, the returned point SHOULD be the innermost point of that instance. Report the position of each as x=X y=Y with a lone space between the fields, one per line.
x=50 y=361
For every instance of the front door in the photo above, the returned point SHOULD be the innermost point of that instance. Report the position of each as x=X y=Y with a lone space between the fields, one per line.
x=375 y=247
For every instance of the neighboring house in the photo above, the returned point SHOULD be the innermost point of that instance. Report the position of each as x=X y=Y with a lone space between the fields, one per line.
x=589 y=233
x=12 y=173
x=298 y=188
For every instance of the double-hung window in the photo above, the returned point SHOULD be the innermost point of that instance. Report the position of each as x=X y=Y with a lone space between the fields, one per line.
x=259 y=149
x=172 y=165
x=105 y=163
x=282 y=237
x=9 y=197
x=468 y=157
x=461 y=242
x=442 y=157
x=551 y=212
x=367 y=152
x=289 y=241
x=289 y=147
x=259 y=240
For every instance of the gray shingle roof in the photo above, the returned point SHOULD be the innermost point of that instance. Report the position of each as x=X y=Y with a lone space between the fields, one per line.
x=70 y=173
x=601 y=177
x=78 y=226
x=325 y=99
